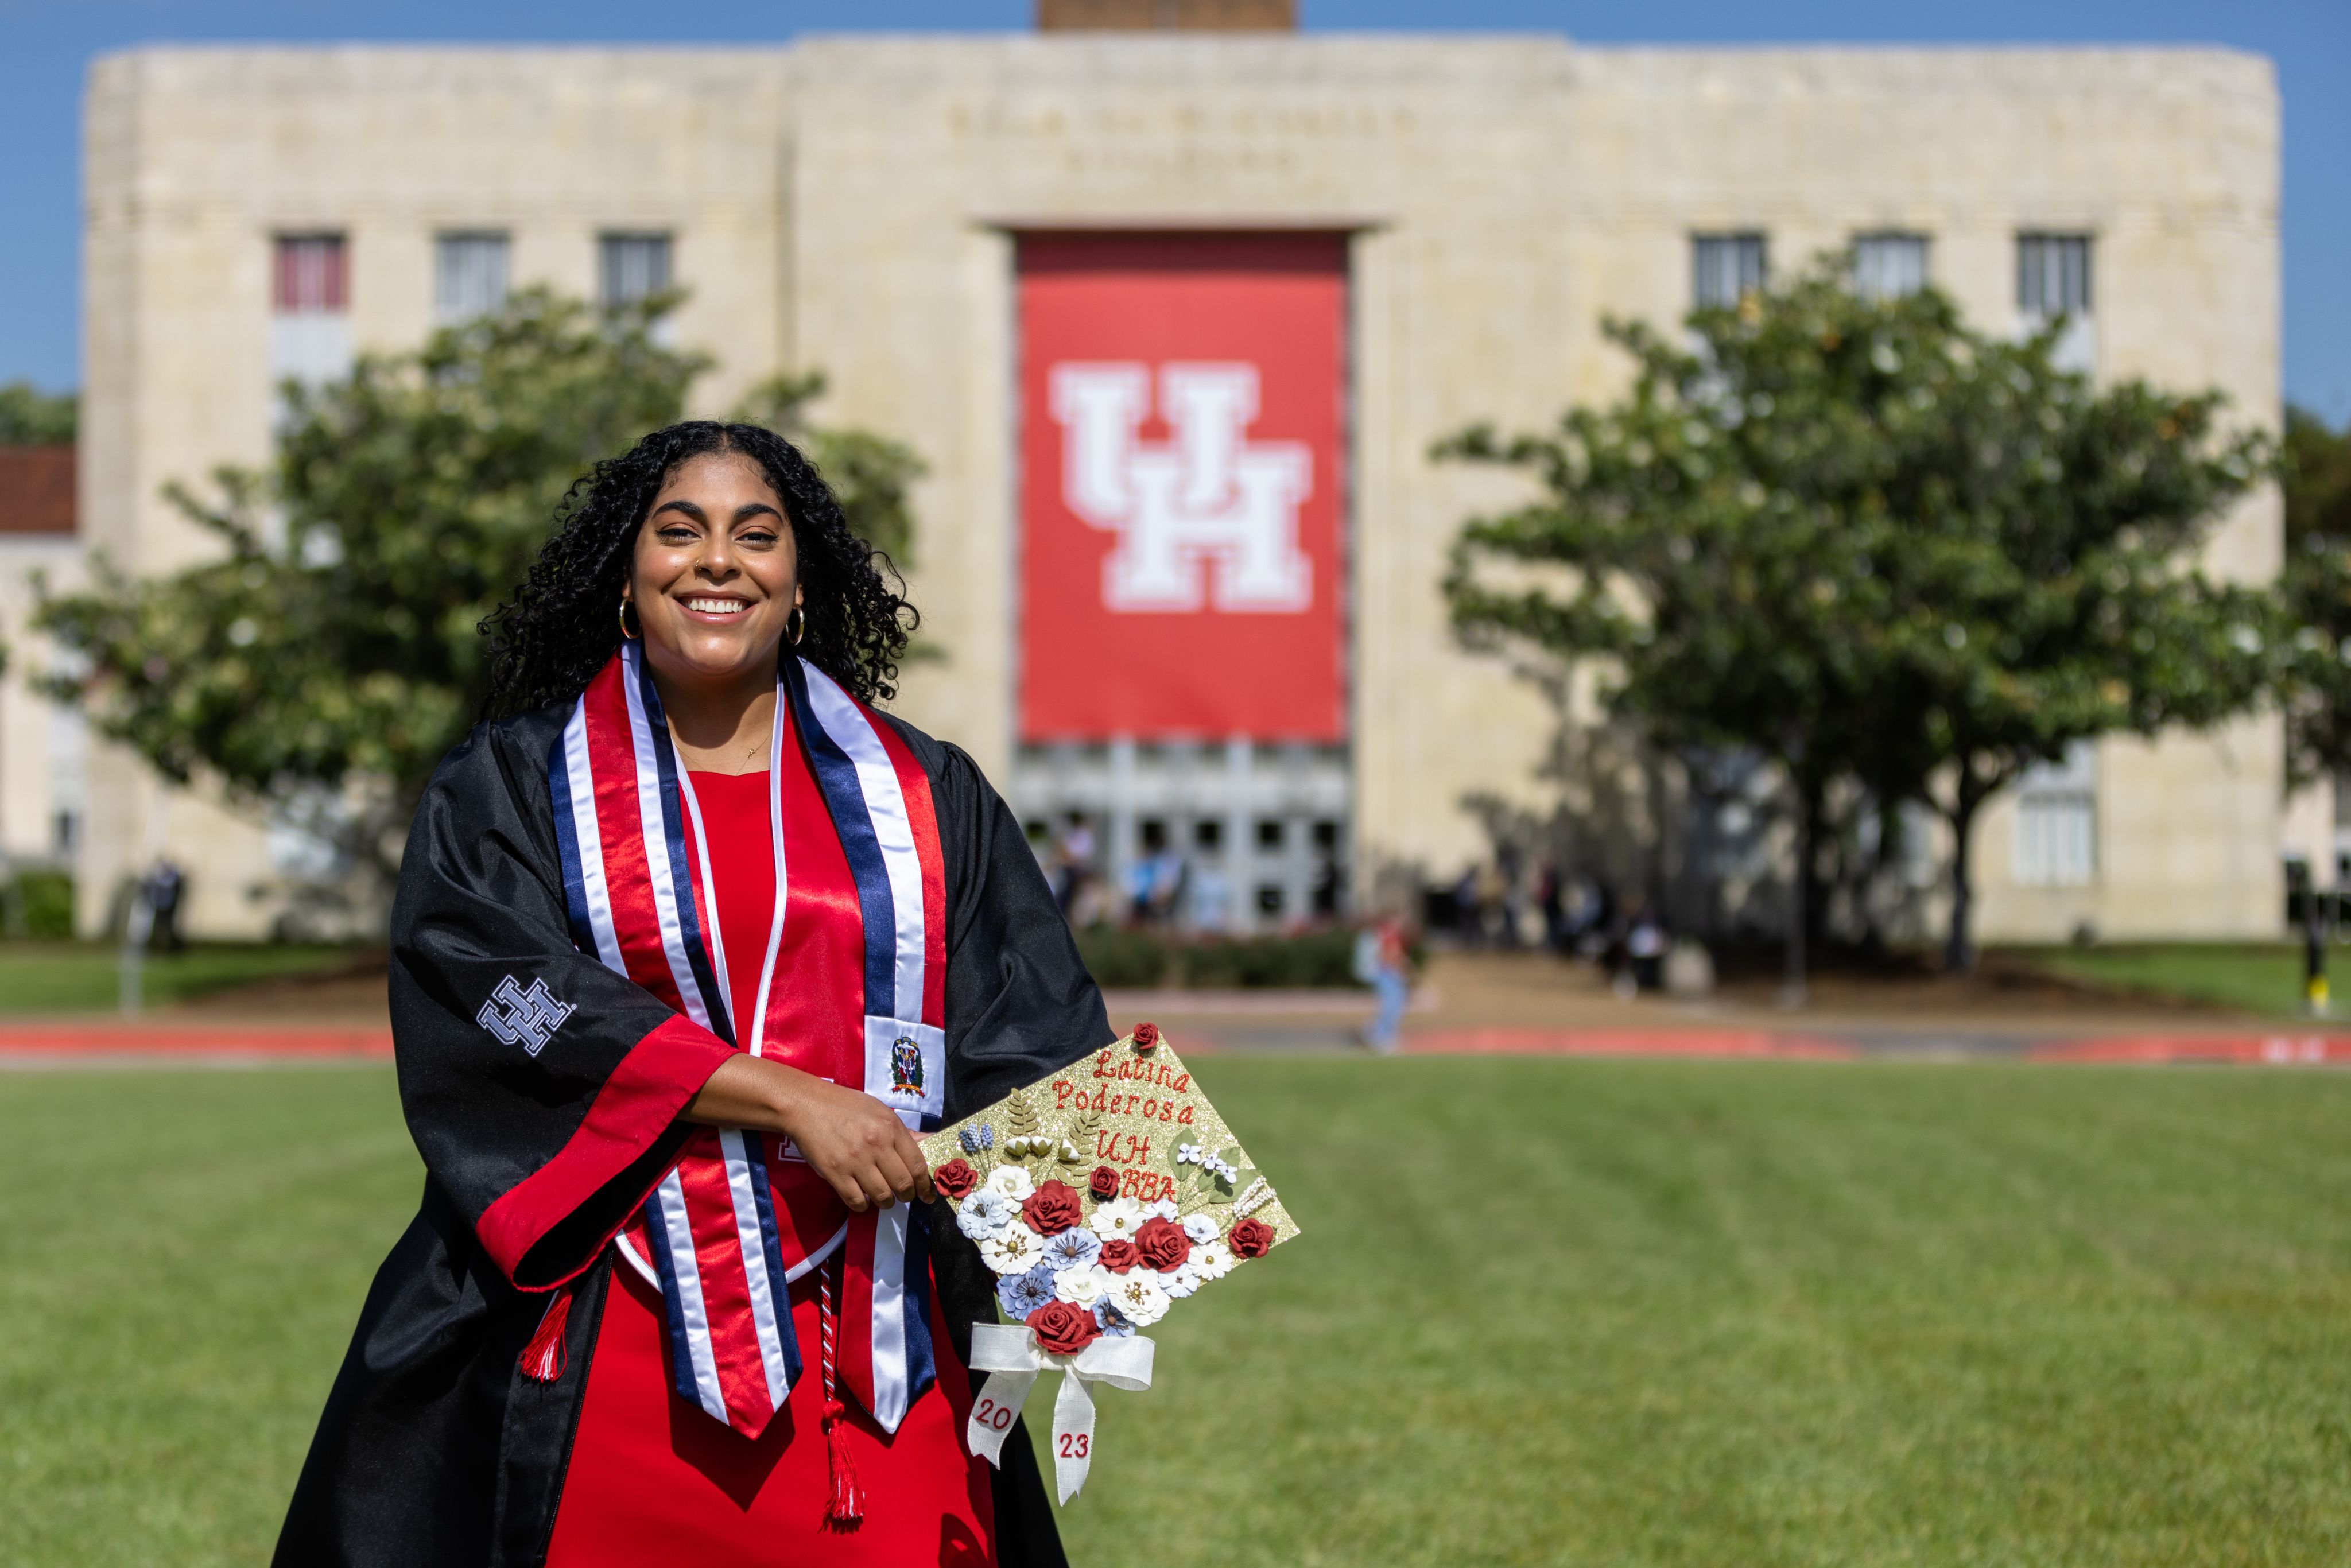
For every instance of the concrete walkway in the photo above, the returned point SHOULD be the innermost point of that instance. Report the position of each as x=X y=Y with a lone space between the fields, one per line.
x=1469 y=1003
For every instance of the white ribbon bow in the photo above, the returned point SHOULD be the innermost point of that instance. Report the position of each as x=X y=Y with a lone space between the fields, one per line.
x=1010 y=1353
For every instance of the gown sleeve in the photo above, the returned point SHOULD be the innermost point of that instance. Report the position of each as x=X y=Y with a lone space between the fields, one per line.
x=1019 y=1002
x=542 y=1089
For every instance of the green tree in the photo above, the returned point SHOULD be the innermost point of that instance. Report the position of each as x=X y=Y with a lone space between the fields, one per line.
x=1875 y=547
x=871 y=474
x=31 y=417
x=320 y=667
x=2317 y=587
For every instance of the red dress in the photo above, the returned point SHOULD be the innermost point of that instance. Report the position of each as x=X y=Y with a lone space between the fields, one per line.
x=653 y=1478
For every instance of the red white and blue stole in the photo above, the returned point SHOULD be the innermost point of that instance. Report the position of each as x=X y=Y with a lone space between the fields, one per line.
x=636 y=880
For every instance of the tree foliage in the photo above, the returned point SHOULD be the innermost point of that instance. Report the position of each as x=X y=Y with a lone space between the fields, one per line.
x=31 y=417
x=325 y=660
x=1875 y=546
x=2317 y=587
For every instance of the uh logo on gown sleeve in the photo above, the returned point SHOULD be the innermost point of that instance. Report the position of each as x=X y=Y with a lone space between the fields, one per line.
x=1210 y=503
x=528 y=1019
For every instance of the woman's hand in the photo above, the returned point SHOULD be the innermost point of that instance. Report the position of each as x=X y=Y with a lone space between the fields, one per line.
x=851 y=1139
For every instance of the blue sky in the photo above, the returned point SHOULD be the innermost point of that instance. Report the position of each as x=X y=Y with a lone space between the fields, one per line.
x=45 y=46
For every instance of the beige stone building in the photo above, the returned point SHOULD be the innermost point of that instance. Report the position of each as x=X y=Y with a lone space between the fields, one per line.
x=860 y=206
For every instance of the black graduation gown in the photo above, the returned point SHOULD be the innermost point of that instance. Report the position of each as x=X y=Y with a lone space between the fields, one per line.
x=434 y=1448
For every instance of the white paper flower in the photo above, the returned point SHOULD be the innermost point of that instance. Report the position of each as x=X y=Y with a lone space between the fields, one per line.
x=1139 y=1300
x=1010 y=1182
x=1083 y=1286
x=1118 y=1219
x=1162 y=1209
x=1181 y=1281
x=1212 y=1259
x=1188 y=1153
x=982 y=1214
x=1015 y=1249
x=1200 y=1229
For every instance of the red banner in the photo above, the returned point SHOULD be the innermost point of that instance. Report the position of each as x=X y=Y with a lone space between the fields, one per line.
x=1182 y=398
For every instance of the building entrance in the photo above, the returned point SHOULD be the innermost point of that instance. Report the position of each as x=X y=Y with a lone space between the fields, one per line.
x=1182 y=686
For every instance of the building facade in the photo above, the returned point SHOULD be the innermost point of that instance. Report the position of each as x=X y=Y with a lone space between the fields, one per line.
x=1037 y=260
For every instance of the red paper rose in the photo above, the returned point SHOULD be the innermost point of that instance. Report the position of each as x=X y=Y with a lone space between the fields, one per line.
x=1164 y=1246
x=1118 y=1255
x=1062 y=1329
x=1250 y=1239
x=1103 y=1183
x=953 y=1179
x=1146 y=1037
x=1052 y=1208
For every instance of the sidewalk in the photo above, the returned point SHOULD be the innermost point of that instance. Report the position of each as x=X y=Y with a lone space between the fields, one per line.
x=1512 y=1004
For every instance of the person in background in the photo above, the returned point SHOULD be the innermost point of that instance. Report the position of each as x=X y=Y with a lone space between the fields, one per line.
x=1076 y=850
x=1384 y=960
x=1646 y=943
x=165 y=883
x=1550 y=898
x=1211 y=897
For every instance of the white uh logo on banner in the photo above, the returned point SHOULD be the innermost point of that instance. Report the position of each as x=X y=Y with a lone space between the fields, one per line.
x=1211 y=498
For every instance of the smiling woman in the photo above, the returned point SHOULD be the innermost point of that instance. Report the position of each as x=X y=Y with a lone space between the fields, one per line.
x=690 y=942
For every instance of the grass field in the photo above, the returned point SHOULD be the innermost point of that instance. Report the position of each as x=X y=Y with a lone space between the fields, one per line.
x=85 y=977
x=1543 y=1311
x=2258 y=977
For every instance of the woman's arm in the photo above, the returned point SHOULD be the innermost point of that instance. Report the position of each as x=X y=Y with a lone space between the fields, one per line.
x=851 y=1139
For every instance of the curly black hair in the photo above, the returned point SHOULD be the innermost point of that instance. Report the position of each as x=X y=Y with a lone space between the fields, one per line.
x=561 y=624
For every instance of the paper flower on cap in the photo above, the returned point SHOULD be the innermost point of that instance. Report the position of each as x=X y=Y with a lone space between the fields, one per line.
x=1138 y=1299
x=977 y=1136
x=1162 y=1209
x=983 y=1213
x=1200 y=1229
x=1212 y=1261
x=1074 y=1249
x=1015 y=1249
x=1081 y=1286
x=1024 y=1294
x=1012 y=1182
x=1180 y=1283
x=1118 y=1219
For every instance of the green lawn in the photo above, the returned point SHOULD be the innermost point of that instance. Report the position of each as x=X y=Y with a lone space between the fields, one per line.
x=86 y=976
x=2257 y=976
x=1543 y=1311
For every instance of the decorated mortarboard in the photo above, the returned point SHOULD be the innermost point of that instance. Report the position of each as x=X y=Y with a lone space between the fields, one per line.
x=1102 y=1198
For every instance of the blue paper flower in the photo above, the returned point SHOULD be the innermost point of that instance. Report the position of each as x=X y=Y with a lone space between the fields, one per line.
x=1113 y=1325
x=977 y=1136
x=1073 y=1248
x=1021 y=1295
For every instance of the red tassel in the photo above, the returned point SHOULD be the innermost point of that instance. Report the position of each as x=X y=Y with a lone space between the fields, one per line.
x=846 y=1506
x=542 y=1358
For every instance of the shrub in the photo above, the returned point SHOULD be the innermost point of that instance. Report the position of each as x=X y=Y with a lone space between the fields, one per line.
x=1125 y=958
x=38 y=904
x=1129 y=958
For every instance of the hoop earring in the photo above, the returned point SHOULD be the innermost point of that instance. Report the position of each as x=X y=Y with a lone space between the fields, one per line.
x=626 y=635
x=796 y=624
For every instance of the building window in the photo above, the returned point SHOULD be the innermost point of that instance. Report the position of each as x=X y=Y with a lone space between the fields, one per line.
x=1888 y=265
x=632 y=265
x=1725 y=268
x=309 y=321
x=311 y=275
x=2057 y=821
x=469 y=276
x=2053 y=281
x=1269 y=834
